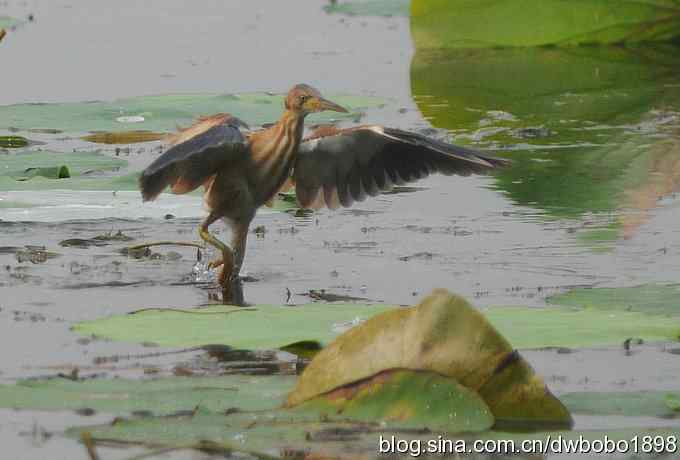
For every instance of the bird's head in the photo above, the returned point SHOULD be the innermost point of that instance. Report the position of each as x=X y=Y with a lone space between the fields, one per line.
x=305 y=99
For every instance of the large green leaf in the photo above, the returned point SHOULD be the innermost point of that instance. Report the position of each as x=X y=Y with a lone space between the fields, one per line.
x=564 y=327
x=126 y=182
x=161 y=113
x=282 y=434
x=650 y=298
x=523 y=327
x=158 y=396
x=503 y=23
x=259 y=327
x=405 y=399
x=445 y=335
x=623 y=403
x=18 y=165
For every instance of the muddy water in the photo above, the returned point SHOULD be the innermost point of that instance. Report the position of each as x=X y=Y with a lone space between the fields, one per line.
x=466 y=234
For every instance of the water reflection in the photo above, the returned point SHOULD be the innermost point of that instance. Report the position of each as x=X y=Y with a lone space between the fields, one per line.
x=593 y=131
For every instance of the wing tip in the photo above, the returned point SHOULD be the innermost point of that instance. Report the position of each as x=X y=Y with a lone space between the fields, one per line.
x=150 y=186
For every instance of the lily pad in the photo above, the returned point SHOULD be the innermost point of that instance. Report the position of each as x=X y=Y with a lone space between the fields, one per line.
x=123 y=137
x=578 y=328
x=52 y=172
x=281 y=434
x=405 y=399
x=259 y=327
x=157 y=396
x=47 y=200
x=40 y=184
x=523 y=327
x=445 y=335
x=163 y=113
x=20 y=164
x=500 y=23
x=371 y=7
x=661 y=299
x=628 y=403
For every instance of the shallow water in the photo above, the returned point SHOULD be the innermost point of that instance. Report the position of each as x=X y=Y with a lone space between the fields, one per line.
x=590 y=201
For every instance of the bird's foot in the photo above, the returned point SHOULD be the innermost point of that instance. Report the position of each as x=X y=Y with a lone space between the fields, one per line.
x=232 y=291
x=215 y=263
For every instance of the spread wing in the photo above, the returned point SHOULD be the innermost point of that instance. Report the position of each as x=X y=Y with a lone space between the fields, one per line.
x=196 y=154
x=338 y=167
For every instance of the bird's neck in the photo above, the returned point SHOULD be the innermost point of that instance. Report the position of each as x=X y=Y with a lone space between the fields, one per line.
x=274 y=151
x=291 y=124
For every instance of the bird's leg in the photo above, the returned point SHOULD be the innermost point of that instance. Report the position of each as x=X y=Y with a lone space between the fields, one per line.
x=232 y=290
x=227 y=259
x=238 y=243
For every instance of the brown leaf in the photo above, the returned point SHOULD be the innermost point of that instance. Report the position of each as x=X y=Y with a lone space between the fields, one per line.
x=446 y=335
x=123 y=137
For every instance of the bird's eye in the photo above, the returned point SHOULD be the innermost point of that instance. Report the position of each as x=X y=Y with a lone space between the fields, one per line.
x=303 y=99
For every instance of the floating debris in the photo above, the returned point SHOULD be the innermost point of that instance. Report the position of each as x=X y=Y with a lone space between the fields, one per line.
x=35 y=255
x=417 y=256
x=123 y=137
x=131 y=119
x=12 y=142
x=330 y=297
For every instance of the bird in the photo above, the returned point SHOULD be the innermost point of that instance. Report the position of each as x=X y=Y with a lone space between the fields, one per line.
x=242 y=170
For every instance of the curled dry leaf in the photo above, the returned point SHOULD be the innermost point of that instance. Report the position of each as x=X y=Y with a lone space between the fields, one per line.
x=445 y=335
x=123 y=137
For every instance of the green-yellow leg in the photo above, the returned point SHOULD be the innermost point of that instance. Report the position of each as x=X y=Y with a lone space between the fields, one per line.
x=227 y=260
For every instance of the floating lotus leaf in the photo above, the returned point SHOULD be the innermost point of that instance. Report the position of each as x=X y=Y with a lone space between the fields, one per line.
x=162 y=113
x=160 y=396
x=20 y=164
x=503 y=23
x=52 y=172
x=443 y=334
x=280 y=434
x=623 y=403
x=650 y=298
x=523 y=327
x=405 y=399
x=259 y=327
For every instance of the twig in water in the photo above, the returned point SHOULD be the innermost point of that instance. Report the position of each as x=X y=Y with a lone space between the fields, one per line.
x=165 y=243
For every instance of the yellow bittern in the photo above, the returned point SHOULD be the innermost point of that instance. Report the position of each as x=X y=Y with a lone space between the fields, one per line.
x=242 y=170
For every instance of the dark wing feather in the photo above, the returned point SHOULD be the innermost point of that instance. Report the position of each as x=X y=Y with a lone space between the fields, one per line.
x=190 y=163
x=338 y=167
